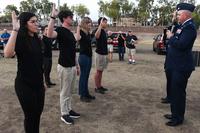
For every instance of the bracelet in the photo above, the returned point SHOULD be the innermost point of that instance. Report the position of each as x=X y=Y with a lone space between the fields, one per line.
x=15 y=30
x=52 y=17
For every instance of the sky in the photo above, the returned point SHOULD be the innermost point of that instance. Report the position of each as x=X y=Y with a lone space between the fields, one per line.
x=90 y=4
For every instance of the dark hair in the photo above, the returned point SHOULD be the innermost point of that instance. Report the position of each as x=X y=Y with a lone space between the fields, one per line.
x=43 y=27
x=99 y=20
x=64 y=14
x=23 y=34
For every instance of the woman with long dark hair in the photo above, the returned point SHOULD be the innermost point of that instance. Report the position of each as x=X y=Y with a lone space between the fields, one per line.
x=29 y=86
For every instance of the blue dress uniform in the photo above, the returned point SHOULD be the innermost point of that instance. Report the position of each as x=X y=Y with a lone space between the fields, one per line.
x=180 y=63
x=173 y=29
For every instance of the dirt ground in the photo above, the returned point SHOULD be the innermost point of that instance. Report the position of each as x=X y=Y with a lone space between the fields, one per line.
x=132 y=104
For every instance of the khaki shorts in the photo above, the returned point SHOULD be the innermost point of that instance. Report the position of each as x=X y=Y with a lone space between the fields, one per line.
x=101 y=62
x=110 y=48
x=131 y=52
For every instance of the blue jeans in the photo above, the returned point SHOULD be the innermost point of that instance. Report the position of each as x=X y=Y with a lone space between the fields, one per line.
x=121 y=51
x=85 y=64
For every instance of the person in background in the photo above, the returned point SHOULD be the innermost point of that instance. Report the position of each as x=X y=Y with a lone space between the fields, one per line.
x=131 y=40
x=121 y=46
x=110 y=46
x=5 y=36
x=29 y=85
x=47 y=61
x=83 y=36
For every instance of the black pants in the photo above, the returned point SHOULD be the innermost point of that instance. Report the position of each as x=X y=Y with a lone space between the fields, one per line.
x=168 y=74
x=32 y=102
x=178 y=94
x=47 y=64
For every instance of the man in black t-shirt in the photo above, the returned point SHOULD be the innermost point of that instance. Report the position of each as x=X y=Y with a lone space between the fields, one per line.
x=131 y=40
x=47 y=60
x=67 y=66
x=101 y=54
x=121 y=46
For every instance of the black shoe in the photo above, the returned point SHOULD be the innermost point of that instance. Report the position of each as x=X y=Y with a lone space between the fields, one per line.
x=165 y=101
x=168 y=116
x=48 y=86
x=85 y=99
x=99 y=90
x=67 y=119
x=164 y=98
x=52 y=83
x=73 y=114
x=104 y=89
x=91 y=97
x=174 y=123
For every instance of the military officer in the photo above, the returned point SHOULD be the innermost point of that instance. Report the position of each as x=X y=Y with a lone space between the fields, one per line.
x=173 y=29
x=180 y=62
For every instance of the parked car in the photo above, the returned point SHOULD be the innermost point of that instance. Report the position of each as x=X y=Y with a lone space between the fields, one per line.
x=158 y=44
x=115 y=40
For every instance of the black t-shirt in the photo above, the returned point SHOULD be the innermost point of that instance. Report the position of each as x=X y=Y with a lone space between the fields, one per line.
x=129 y=41
x=120 y=41
x=30 y=59
x=102 y=43
x=67 y=47
x=47 y=46
x=85 y=44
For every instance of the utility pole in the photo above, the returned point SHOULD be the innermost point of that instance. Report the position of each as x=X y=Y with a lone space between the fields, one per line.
x=59 y=23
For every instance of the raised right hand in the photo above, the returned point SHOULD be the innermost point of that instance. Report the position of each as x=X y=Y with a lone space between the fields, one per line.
x=101 y=23
x=54 y=11
x=15 y=21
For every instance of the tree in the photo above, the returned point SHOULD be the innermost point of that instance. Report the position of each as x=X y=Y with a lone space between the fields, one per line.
x=43 y=9
x=64 y=7
x=9 y=8
x=80 y=10
x=165 y=10
x=145 y=7
x=126 y=7
x=196 y=16
x=28 y=6
x=8 y=11
x=102 y=7
x=112 y=9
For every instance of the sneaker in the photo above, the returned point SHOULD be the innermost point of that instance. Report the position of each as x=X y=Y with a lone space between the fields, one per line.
x=85 y=99
x=99 y=90
x=67 y=119
x=91 y=97
x=104 y=89
x=129 y=62
x=73 y=114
